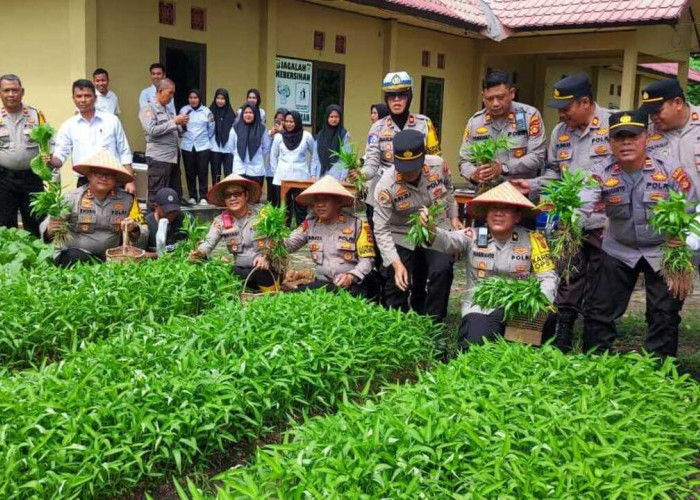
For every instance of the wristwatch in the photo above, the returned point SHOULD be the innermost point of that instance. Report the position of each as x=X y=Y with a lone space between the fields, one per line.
x=505 y=169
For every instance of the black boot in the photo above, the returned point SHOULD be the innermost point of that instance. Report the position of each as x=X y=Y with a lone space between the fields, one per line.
x=565 y=335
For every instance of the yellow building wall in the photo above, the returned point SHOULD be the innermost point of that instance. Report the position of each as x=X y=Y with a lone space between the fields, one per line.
x=607 y=78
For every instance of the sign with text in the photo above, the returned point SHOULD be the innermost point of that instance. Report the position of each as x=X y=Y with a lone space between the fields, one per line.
x=293 y=80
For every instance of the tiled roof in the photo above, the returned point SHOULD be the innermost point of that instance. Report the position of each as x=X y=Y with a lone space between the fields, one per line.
x=540 y=14
x=671 y=69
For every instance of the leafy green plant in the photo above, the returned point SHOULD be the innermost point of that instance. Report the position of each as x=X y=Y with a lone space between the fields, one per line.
x=20 y=250
x=271 y=225
x=49 y=313
x=483 y=153
x=501 y=421
x=562 y=199
x=671 y=219
x=350 y=161
x=159 y=399
x=51 y=203
x=42 y=135
x=419 y=233
x=520 y=297
x=195 y=231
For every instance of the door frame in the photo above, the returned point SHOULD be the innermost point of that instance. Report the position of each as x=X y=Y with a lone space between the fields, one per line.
x=165 y=43
x=321 y=65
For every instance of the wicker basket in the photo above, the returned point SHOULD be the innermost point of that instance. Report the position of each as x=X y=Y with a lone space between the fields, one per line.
x=248 y=296
x=522 y=329
x=125 y=253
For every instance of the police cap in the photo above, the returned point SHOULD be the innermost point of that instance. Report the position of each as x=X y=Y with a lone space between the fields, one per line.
x=409 y=150
x=632 y=122
x=568 y=89
x=655 y=94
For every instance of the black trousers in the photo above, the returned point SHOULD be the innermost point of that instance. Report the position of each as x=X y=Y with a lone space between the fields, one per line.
x=196 y=172
x=71 y=256
x=273 y=192
x=356 y=289
x=15 y=195
x=430 y=274
x=476 y=327
x=159 y=176
x=217 y=161
x=255 y=178
x=295 y=211
x=609 y=299
x=571 y=296
x=259 y=278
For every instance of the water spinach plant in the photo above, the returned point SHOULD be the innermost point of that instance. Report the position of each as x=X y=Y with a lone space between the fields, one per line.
x=349 y=158
x=515 y=297
x=271 y=225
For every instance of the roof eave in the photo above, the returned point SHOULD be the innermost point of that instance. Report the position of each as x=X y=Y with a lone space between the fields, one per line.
x=593 y=25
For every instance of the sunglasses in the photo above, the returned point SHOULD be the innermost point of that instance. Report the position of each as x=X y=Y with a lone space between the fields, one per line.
x=233 y=194
x=396 y=96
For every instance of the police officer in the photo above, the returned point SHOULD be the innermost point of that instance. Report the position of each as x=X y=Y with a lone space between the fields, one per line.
x=415 y=180
x=235 y=226
x=629 y=185
x=675 y=125
x=379 y=153
x=162 y=130
x=165 y=223
x=99 y=210
x=501 y=116
x=17 y=181
x=504 y=249
x=578 y=141
x=341 y=244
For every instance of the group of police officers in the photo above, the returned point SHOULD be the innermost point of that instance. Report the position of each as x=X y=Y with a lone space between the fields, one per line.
x=634 y=163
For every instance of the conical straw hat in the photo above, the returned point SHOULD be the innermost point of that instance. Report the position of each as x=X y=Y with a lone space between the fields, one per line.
x=104 y=160
x=215 y=196
x=503 y=194
x=326 y=186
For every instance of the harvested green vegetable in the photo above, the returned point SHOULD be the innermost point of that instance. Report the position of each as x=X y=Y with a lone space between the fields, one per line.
x=271 y=225
x=195 y=231
x=501 y=421
x=350 y=161
x=483 y=153
x=521 y=297
x=562 y=198
x=155 y=400
x=418 y=233
x=671 y=218
x=19 y=250
x=42 y=135
x=51 y=203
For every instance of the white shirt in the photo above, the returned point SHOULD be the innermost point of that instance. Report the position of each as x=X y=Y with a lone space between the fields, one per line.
x=149 y=93
x=255 y=167
x=80 y=139
x=108 y=103
x=292 y=165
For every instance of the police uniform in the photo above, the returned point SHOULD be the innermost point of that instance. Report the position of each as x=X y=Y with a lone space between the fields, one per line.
x=17 y=181
x=379 y=152
x=632 y=246
x=681 y=144
x=162 y=146
x=344 y=246
x=395 y=200
x=524 y=254
x=573 y=150
x=523 y=127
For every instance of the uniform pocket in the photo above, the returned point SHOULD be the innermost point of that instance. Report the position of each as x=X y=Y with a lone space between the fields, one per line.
x=618 y=206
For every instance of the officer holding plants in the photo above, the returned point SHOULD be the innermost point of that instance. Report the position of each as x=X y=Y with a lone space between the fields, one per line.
x=629 y=185
x=415 y=180
x=502 y=248
x=99 y=210
x=503 y=117
x=341 y=245
x=578 y=141
x=236 y=226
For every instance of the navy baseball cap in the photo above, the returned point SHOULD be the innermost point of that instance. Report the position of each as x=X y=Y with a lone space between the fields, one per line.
x=409 y=150
x=167 y=199
x=655 y=94
x=568 y=89
x=633 y=122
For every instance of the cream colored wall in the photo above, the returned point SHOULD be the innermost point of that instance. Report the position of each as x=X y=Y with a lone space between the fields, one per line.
x=460 y=63
x=128 y=36
x=607 y=77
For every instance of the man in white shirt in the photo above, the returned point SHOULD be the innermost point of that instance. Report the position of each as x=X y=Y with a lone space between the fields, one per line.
x=149 y=93
x=89 y=131
x=107 y=101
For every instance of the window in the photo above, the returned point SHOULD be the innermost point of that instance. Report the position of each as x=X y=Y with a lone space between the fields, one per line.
x=319 y=40
x=441 y=61
x=426 y=59
x=431 y=96
x=198 y=19
x=166 y=13
x=340 y=43
x=612 y=89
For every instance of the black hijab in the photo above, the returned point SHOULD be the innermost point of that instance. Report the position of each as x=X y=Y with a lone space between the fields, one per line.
x=293 y=139
x=401 y=119
x=199 y=94
x=249 y=135
x=328 y=139
x=382 y=109
x=257 y=94
x=223 y=117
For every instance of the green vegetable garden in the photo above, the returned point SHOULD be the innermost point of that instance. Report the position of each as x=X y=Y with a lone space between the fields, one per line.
x=119 y=379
